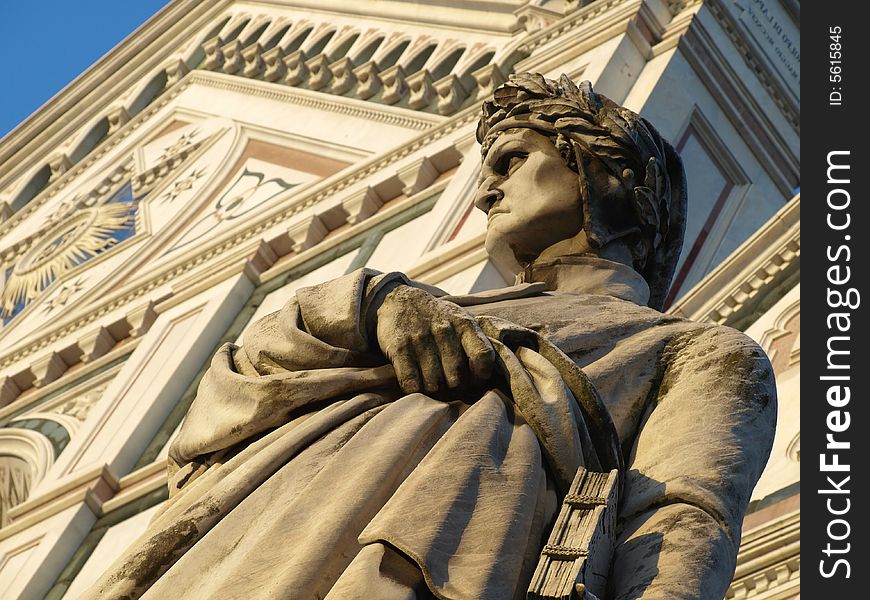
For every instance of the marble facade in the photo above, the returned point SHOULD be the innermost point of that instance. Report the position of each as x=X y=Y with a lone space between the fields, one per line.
x=252 y=149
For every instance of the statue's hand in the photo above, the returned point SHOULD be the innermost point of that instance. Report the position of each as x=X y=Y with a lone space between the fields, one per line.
x=431 y=342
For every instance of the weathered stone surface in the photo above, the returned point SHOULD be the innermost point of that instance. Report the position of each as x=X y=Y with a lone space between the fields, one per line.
x=377 y=438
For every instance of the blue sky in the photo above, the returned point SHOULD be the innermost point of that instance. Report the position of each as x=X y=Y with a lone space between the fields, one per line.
x=47 y=44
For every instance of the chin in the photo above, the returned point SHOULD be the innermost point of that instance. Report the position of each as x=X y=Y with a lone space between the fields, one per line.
x=501 y=255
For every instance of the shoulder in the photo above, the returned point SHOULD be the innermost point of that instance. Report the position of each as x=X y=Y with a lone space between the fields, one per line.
x=723 y=363
x=705 y=342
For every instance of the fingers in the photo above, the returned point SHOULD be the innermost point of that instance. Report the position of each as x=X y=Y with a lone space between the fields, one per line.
x=417 y=364
x=432 y=344
x=453 y=358
x=481 y=355
x=429 y=362
x=405 y=365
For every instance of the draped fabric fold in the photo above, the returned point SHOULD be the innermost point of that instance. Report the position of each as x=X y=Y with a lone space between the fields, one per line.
x=303 y=471
x=329 y=460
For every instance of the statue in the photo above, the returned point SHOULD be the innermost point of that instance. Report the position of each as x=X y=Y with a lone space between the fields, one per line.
x=377 y=438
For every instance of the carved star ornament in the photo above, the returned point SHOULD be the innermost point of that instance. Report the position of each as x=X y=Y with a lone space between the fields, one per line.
x=75 y=234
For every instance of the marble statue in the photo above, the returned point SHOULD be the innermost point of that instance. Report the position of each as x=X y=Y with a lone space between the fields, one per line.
x=377 y=438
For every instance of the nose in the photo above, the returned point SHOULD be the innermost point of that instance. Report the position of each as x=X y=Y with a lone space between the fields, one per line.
x=487 y=195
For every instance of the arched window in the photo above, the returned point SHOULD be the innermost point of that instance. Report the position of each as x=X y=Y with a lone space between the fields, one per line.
x=318 y=46
x=90 y=141
x=368 y=51
x=148 y=93
x=342 y=47
x=393 y=54
x=416 y=63
x=276 y=37
x=447 y=63
x=25 y=457
x=297 y=40
x=36 y=184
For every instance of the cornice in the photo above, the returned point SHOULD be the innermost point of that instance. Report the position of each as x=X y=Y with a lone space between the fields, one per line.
x=571 y=22
x=98 y=488
x=378 y=113
x=768 y=564
x=65 y=387
x=225 y=244
x=678 y=6
x=488 y=16
x=741 y=108
x=743 y=43
x=125 y=65
x=759 y=265
x=91 y=487
x=386 y=114
x=768 y=78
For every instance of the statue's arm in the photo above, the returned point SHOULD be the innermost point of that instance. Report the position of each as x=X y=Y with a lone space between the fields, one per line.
x=696 y=459
x=330 y=341
x=322 y=326
x=310 y=351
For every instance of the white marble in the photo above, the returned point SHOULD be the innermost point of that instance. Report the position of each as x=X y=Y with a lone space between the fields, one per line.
x=115 y=541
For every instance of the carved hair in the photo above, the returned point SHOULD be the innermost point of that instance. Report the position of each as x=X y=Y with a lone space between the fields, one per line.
x=586 y=127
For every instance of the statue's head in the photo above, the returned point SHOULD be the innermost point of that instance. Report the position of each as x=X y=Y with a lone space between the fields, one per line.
x=567 y=170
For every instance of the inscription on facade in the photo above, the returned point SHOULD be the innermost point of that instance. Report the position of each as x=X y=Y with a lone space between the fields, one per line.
x=777 y=37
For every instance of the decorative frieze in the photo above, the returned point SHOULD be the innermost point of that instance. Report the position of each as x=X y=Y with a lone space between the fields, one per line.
x=214 y=56
x=296 y=70
x=319 y=72
x=343 y=77
x=254 y=63
x=369 y=82
x=81 y=404
x=117 y=118
x=361 y=205
x=306 y=232
x=394 y=85
x=274 y=69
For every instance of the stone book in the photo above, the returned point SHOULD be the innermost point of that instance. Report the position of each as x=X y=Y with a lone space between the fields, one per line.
x=574 y=563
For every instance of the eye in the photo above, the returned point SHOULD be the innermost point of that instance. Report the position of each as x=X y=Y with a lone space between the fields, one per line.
x=509 y=162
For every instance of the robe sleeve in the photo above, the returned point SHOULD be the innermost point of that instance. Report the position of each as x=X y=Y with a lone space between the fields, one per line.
x=315 y=349
x=696 y=459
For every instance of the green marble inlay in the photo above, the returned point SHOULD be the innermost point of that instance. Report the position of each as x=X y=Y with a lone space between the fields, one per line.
x=54 y=431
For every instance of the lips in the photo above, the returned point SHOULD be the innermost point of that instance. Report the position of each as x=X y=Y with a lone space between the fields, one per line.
x=493 y=212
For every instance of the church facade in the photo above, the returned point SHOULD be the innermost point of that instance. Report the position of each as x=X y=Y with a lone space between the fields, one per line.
x=228 y=153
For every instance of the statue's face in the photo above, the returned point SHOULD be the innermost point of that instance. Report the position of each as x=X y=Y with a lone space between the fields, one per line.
x=530 y=196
